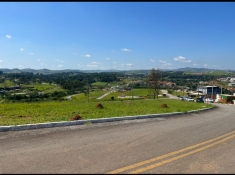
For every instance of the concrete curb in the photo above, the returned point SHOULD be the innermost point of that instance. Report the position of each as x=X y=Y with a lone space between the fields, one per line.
x=99 y=120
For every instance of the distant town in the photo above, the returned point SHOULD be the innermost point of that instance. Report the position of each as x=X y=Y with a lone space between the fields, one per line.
x=38 y=85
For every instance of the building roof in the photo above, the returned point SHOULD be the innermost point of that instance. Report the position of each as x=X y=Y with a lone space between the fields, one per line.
x=207 y=86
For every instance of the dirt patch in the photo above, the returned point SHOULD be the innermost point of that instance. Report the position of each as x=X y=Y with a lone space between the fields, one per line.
x=76 y=117
x=164 y=105
x=99 y=106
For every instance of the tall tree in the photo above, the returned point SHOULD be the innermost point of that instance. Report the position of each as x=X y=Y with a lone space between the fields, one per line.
x=86 y=90
x=153 y=80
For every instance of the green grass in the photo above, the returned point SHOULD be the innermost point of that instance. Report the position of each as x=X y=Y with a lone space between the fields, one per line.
x=47 y=88
x=92 y=96
x=40 y=112
x=99 y=84
x=176 y=93
x=218 y=73
x=95 y=94
x=7 y=83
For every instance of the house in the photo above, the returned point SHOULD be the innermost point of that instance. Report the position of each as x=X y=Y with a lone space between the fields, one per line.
x=117 y=88
x=209 y=91
x=231 y=84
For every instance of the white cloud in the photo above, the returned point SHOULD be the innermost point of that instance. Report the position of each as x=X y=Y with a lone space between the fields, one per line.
x=8 y=36
x=20 y=66
x=112 y=51
x=107 y=58
x=1 y=61
x=87 y=55
x=129 y=64
x=162 y=61
x=182 y=59
x=42 y=64
x=195 y=64
x=114 y=62
x=21 y=49
x=95 y=63
x=205 y=65
x=152 y=60
x=165 y=64
x=31 y=53
x=38 y=60
x=126 y=50
x=92 y=65
x=60 y=65
x=59 y=60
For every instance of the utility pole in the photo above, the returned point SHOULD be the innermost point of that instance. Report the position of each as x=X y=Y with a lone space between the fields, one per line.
x=198 y=90
x=4 y=90
x=212 y=88
x=132 y=89
x=183 y=90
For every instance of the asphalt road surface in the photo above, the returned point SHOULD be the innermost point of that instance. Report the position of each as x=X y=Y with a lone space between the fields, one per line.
x=192 y=143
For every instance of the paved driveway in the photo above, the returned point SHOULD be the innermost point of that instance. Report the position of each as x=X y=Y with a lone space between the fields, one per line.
x=169 y=95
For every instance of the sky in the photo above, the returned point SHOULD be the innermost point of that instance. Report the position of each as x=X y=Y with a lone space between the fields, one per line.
x=117 y=35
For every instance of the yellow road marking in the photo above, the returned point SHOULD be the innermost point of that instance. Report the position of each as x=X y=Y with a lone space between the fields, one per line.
x=165 y=155
x=179 y=157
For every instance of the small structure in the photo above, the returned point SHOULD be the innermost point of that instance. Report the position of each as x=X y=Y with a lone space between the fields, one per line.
x=231 y=84
x=209 y=91
x=225 y=98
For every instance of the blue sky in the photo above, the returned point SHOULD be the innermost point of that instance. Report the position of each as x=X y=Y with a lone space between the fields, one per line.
x=117 y=35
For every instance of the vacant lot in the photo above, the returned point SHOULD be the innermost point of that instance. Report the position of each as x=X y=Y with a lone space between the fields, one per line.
x=40 y=112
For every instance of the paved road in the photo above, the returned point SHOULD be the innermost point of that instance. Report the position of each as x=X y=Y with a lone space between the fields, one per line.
x=70 y=96
x=169 y=95
x=102 y=96
x=112 y=147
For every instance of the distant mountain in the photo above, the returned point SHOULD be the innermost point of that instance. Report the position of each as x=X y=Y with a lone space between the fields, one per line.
x=43 y=71
x=204 y=70
x=139 y=71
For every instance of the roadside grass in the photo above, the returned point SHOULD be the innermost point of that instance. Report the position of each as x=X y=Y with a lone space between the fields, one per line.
x=54 y=111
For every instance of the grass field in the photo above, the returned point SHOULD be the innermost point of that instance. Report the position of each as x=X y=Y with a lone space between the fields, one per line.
x=176 y=93
x=219 y=73
x=7 y=83
x=95 y=94
x=47 y=88
x=40 y=112
x=99 y=84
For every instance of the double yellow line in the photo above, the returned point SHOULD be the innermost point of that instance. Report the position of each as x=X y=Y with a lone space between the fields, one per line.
x=195 y=148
